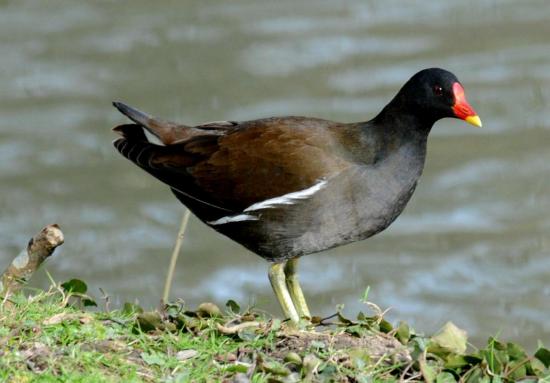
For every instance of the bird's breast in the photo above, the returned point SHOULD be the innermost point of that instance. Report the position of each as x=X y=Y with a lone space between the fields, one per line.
x=352 y=205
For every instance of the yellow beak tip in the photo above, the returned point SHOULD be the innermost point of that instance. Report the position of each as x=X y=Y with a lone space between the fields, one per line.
x=474 y=120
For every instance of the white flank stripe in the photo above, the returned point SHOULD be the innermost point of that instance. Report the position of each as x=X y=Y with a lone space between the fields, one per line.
x=233 y=218
x=287 y=199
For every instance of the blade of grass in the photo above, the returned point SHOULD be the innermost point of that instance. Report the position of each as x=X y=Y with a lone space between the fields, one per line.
x=175 y=254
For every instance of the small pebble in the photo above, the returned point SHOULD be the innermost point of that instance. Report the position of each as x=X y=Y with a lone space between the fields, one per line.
x=186 y=354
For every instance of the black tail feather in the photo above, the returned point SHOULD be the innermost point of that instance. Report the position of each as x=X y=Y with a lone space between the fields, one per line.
x=133 y=114
x=131 y=132
x=139 y=152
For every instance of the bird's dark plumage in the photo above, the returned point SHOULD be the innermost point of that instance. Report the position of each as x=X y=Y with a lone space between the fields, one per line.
x=288 y=186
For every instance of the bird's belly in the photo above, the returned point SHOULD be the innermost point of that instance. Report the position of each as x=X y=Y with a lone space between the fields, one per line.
x=353 y=206
x=357 y=216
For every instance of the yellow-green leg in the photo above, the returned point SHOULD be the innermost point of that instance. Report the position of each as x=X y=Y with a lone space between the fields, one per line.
x=293 y=285
x=278 y=282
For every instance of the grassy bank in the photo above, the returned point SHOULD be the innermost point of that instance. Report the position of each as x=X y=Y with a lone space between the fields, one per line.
x=51 y=337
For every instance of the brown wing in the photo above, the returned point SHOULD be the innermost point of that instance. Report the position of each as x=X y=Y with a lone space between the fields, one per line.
x=232 y=166
x=265 y=159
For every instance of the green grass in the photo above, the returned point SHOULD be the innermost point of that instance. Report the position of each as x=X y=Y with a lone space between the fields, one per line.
x=52 y=337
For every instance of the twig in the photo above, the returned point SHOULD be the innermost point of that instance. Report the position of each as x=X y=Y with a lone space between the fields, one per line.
x=235 y=329
x=106 y=298
x=175 y=254
x=323 y=320
x=21 y=269
x=405 y=371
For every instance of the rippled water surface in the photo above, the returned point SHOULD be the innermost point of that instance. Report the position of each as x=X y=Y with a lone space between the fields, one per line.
x=472 y=246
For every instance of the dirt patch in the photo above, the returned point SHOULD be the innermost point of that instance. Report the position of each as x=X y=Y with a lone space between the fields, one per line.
x=375 y=345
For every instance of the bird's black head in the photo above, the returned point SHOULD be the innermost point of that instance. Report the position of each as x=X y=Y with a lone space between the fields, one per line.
x=435 y=93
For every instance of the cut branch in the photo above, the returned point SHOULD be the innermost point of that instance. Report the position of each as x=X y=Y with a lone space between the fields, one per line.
x=21 y=269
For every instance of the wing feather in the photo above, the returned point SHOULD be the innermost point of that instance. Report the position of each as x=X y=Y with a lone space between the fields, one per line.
x=232 y=166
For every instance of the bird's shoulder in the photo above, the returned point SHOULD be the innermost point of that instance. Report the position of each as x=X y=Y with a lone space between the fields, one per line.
x=261 y=159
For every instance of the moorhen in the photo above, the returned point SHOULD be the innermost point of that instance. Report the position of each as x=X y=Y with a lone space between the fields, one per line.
x=284 y=187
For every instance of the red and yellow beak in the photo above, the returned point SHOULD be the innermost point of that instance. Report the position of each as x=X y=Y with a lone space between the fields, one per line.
x=462 y=109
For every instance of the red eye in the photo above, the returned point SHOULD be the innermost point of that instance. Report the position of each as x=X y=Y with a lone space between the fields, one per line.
x=438 y=91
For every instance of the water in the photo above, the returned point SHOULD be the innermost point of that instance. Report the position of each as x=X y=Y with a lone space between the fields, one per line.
x=473 y=245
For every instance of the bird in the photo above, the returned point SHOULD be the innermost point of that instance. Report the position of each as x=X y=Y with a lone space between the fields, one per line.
x=285 y=187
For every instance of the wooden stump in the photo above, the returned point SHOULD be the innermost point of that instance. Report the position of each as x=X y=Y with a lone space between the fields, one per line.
x=21 y=269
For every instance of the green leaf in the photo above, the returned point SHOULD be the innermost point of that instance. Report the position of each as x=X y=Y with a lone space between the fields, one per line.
x=208 y=309
x=237 y=367
x=328 y=373
x=153 y=358
x=87 y=302
x=454 y=361
x=445 y=377
x=356 y=330
x=493 y=361
x=131 y=308
x=233 y=306
x=419 y=345
x=149 y=321
x=496 y=344
x=359 y=358
x=293 y=358
x=275 y=368
x=543 y=354
x=172 y=309
x=247 y=334
x=475 y=358
x=428 y=371
x=343 y=319
x=450 y=339
x=518 y=371
x=75 y=286
x=403 y=333
x=535 y=367
x=385 y=326
x=475 y=375
x=317 y=344
x=515 y=351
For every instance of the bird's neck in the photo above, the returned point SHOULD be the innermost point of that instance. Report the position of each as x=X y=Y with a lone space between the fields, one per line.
x=396 y=126
x=400 y=119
